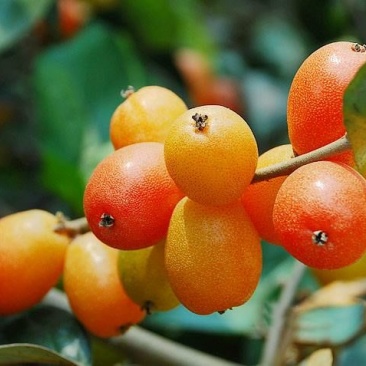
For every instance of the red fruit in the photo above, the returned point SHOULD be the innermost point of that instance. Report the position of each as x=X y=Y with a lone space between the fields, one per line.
x=315 y=101
x=130 y=197
x=320 y=215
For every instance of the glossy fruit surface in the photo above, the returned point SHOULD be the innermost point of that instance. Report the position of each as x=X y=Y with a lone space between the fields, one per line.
x=31 y=258
x=315 y=101
x=130 y=197
x=144 y=278
x=145 y=115
x=95 y=293
x=320 y=215
x=258 y=199
x=213 y=256
x=211 y=154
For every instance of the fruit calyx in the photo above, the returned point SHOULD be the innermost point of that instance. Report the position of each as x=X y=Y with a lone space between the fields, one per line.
x=125 y=93
x=358 y=47
x=200 y=121
x=148 y=307
x=106 y=220
x=319 y=237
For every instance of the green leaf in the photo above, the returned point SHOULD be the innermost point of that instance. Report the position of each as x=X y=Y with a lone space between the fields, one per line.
x=355 y=118
x=30 y=353
x=17 y=17
x=332 y=325
x=77 y=87
x=183 y=21
x=48 y=327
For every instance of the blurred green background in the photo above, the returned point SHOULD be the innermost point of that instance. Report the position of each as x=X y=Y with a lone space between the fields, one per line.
x=63 y=64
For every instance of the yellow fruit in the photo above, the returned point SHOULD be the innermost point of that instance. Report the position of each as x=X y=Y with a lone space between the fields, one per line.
x=144 y=278
x=32 y=256
x=145 y=116
x=211 y=154
x=349 y=273
x=94 y=290
x=213 y=256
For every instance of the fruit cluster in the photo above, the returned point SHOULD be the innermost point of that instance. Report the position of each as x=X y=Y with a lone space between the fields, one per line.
x=176 y=217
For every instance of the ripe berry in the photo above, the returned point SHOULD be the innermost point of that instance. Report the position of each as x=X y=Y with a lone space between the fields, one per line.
x=315 y=101
x=130 y=197
x=31 y=258
x=145 y=115
x=211 y=154
x=213 y=256
x=320 y=215
x=94 y=290
x=258 y=199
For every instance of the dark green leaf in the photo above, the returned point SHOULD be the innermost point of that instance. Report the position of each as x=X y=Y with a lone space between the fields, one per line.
x=355 y=118
x=49 y=327
x=17 y=17
x=30 y=353
x=77 y=87
x=163 y=25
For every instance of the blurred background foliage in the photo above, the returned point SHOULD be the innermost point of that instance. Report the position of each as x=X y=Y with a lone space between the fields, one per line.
x=63 y=64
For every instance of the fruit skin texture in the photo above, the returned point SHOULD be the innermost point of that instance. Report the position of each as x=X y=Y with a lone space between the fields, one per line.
x=213 y=256
x=133 y=186
x=213 y=165
x=315 y=101
x=144 y=278
x=31 y=258
x=328 y=197
x=145 y=115
x=94 y=290
x=258 y=199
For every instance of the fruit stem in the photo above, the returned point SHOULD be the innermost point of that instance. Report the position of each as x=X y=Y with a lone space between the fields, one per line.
x=277 y=343
x=288 y=166
x=144 y=347
x=71 y=228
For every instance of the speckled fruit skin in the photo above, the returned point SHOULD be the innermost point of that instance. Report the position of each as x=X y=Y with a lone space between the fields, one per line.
x=133 y=186
x=322 y=196
x=315 y=101
x=144 y=278
x=213 y=256
x=145 y=115
x=93 y=288
x=258 y=199
x=32 y=256
x=213 y=165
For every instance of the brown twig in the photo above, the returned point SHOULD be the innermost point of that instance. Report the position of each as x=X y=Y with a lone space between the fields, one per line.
x=288 y=166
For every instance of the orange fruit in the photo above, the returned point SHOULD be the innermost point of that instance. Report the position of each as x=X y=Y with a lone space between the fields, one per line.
x=258 y=199
x=315 y=101
x=31 y=258
x=145 y=115
x=95 y=293
x=213 y=256
x=130 y=197
x=211 y=154
x=320 y=215
x=144 y=278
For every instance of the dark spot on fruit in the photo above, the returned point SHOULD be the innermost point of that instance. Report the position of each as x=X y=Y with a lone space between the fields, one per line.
x=106 y=220
x=200 y=120
x=319 y=237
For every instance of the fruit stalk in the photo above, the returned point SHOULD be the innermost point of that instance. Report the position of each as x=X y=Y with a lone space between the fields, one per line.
x=288 y=166
x=143 y=346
